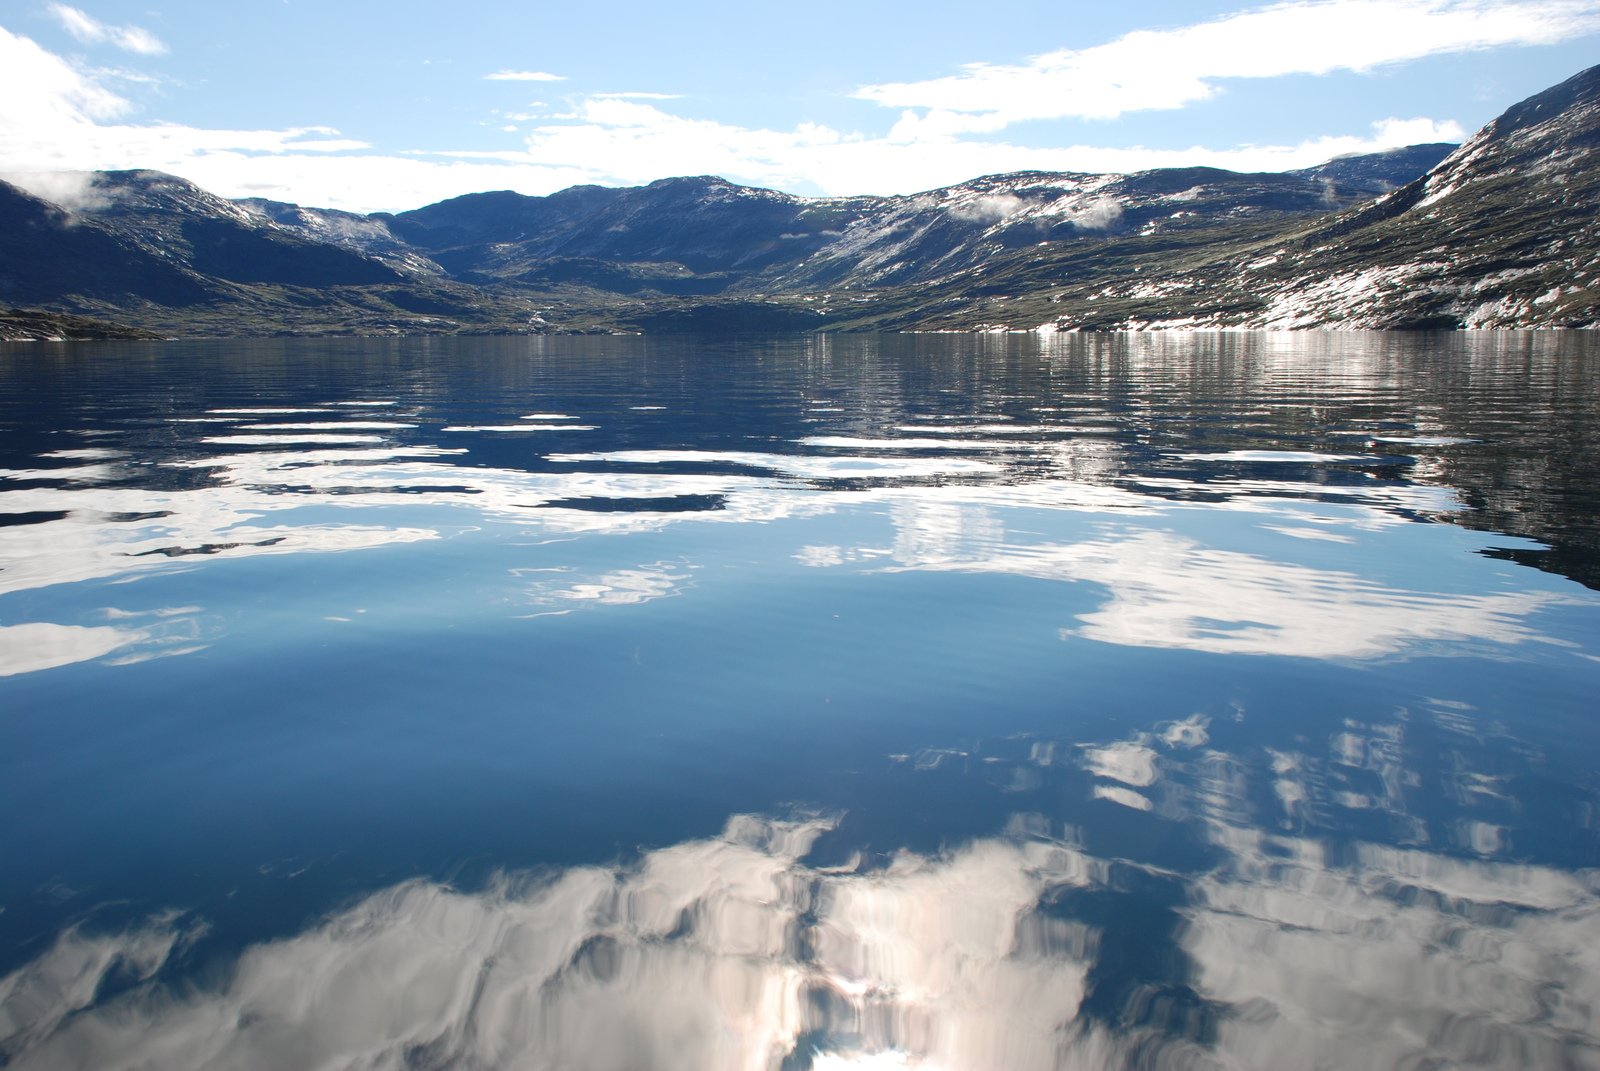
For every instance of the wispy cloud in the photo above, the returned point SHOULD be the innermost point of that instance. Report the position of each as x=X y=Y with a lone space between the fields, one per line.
x=92 y=31
x=1166 y=69
x=525 y=76
x=39 y=91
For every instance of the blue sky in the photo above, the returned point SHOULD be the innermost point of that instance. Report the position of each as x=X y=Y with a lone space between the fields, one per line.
x=386 y=106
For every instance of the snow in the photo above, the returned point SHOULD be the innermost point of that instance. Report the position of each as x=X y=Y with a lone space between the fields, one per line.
x=1339 y=299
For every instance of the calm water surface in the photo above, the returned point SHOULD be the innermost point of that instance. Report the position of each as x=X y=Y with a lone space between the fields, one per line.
x=1180 y=701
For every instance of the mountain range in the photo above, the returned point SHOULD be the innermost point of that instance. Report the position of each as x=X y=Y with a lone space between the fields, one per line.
x=1498 y=232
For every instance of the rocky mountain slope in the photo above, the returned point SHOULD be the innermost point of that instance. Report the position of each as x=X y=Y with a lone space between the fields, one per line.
x=47 y=259
x=1500 y=232
x=24 y=326
x=1504 y=232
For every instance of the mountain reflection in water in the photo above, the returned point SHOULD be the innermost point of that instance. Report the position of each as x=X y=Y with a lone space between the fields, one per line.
x=1180 y=701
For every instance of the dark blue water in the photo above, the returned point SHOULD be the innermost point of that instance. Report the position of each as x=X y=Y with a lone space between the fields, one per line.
x=945 y=702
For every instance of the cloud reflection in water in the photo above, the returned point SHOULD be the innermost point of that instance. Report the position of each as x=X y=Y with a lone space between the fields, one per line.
x=38 y=645
x=950 y=513
x=733 y=952
x=719 y=953
x=1168 y=590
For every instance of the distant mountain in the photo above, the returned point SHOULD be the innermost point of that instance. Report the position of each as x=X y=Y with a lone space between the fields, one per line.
x=703 y=226
x=1381 y=172
x=704 y=235
x=681 y=253
x=367 y=236
x=1499 y=232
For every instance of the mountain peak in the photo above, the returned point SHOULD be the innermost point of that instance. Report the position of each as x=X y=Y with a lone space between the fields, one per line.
x=1580 y=91
x=697 y=181
x=1502 y=233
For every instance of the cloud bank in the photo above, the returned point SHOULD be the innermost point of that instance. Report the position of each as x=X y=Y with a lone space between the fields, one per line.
x=56 y=115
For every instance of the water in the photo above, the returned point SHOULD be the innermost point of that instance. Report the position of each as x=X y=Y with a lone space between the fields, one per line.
x=1181 y=701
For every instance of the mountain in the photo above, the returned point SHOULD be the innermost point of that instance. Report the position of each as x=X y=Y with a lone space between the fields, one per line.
x=366 y=236
x=175 y=220
x=704 y=235
x=1381 y=172
x=702 y=226
x=677 y=254
x=23 y=326
x=1504 y=232
x=1498 y=232
x=46 y=258
x=159 y=253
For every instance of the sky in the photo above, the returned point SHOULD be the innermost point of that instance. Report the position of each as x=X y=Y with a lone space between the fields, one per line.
x=384 y=106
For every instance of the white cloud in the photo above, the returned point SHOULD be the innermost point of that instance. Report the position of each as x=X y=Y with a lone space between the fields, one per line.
x=39 y=90
x=1166 y=69
x=76 y=191
x=525 y=76
x=638 y=96
x=636 y=142
x=91 y=31
x=1393 y=133
x=994 y=207
x=55 y=116
x=1100 y=214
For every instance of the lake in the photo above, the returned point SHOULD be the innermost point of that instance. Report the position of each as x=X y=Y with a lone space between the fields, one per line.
x=1213 y=700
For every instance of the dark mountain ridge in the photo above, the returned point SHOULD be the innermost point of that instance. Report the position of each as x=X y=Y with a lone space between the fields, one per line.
x=1498 y=232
